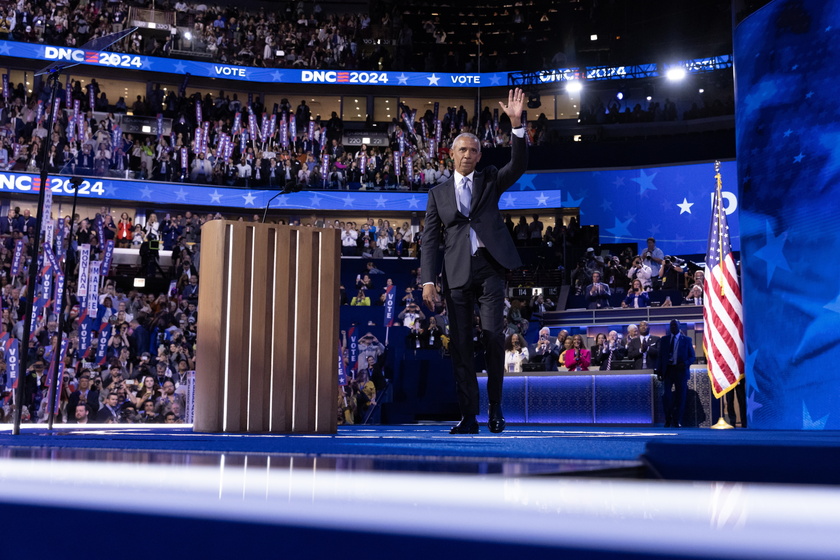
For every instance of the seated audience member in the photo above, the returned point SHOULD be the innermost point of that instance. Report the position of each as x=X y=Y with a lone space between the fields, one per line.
x=597 y=293
x=515 y=318
x=644 y=349
x=568 y=342
x=85 y=394
x=611 y=351
x=695 y=296
x=545 y=351
x=577 y=358
x=81 y=413
x=149 y=414
x=516 y=353
x=361 y=299
x=110 y=411
x=595 y=350
x=637 y=296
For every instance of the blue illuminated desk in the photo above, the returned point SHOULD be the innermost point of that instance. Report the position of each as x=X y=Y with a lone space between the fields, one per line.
x=596 y=397
x=583 y=397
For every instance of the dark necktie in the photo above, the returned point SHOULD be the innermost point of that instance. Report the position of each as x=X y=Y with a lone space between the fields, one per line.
x=674 y=349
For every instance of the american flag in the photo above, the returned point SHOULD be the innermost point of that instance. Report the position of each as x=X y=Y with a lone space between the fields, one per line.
x=723 y=336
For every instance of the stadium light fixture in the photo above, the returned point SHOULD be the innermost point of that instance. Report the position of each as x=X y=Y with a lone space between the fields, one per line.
x=675 y=74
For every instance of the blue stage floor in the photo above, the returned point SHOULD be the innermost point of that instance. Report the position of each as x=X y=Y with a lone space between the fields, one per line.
x=416 y=491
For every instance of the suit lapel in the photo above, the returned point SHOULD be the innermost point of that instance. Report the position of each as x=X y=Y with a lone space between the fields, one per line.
x=449 y=197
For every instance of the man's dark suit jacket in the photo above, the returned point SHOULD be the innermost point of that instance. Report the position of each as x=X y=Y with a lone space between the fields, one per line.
x=443 y=217
x=634 y=351
x=685 y=355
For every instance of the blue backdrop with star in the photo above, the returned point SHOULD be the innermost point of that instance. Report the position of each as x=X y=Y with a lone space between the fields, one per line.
x=788 y=145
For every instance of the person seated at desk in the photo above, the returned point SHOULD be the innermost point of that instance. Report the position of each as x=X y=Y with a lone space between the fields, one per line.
x=545 y=351
x=516 y=353
x=567 y=345
x=636 y=296
x=595 y=349
x=611 y=351
x=577 y=358
x=695 y=296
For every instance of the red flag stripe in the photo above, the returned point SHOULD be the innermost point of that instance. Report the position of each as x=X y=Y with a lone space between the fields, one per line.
x=723 y=329
x=723 y=319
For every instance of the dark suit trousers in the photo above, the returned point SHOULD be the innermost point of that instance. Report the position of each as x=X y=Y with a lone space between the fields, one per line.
x=487 y=288
x=673 y=403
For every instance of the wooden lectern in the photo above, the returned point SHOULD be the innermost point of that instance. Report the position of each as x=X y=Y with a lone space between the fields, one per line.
x=267 y=354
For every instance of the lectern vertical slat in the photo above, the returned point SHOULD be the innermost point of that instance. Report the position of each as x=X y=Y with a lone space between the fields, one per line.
x=261 y=282
x=327 y=334
x=306 y=321
x=283 y=320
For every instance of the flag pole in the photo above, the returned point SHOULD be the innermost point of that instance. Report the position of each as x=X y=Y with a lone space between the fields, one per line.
x=721 y=424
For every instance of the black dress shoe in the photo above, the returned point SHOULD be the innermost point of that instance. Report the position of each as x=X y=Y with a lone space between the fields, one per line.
x=496 y=420
x=467 y=425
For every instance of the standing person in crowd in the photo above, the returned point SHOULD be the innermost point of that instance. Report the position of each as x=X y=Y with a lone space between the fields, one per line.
x=644 y=349
x=676 y=354
x=577 y=358
x=477 y=253
x=611 y=351
x=653 y=257
x=125 y=231
x=545 y=351
x=516 y=353
x=597 y=293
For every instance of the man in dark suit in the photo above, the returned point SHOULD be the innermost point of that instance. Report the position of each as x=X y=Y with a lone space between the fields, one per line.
x=545 y=351
x=84 y=394
x=676 y=354
x=477 y=253
x=643 y=349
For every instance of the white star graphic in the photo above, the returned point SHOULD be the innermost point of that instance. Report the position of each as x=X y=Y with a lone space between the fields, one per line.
x=276 y=76
x=215 y=197
x=145 y=63
x=541 y=200
x=181 y=194
x=685 y=206
x=110 y=190
x=348 y=200
x=5 y=49
x=315 y=200
x=179 y=68
x=402 y=79
x=249 y=199
x=510 y=201
x=380 y=202
x=495 y=80
x=413 y=202
x=433 y=80
x=146 y=192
